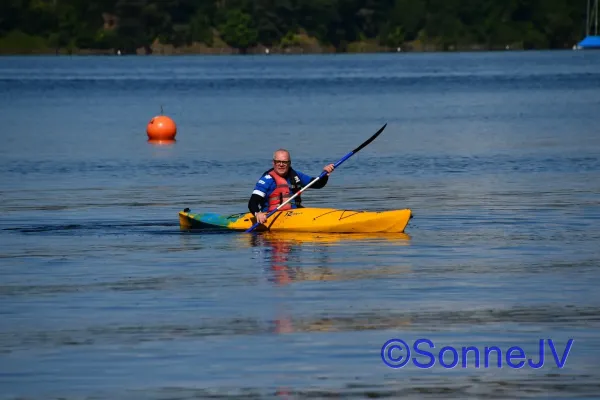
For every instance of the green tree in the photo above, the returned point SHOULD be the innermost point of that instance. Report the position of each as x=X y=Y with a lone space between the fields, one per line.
x=410 y=14
x=393 y=37
x=532 y=24
x=200 y=28
x=238 y=30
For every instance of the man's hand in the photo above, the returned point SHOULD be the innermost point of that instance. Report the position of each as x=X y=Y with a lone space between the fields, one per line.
x=261 y=217
x=329 y=168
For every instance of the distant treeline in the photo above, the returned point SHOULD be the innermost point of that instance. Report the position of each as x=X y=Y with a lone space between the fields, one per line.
x=131 y=25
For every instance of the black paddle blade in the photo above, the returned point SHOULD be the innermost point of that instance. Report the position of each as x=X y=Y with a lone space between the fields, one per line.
x=356 y=150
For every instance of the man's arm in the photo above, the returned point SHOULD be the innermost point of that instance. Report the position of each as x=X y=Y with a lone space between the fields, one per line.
x=305 y=180
x=254 y=203
x=320 y=183
x=259 y=194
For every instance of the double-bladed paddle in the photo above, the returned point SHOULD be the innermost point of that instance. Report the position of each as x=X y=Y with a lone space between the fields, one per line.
x=347 y=156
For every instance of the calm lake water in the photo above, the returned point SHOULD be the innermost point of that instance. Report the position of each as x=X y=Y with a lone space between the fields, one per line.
x=102 y=296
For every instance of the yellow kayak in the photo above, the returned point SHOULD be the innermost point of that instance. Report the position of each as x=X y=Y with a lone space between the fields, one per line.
x=328 y=220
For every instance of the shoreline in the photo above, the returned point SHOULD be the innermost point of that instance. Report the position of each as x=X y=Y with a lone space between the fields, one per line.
x=362 y=47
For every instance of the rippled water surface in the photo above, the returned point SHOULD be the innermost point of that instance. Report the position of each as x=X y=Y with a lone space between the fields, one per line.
x=102 y=295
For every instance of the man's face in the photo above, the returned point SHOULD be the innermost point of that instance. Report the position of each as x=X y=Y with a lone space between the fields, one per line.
x=281 y=163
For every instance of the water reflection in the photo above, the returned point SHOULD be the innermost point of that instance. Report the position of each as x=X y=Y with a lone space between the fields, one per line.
x=334 y=238
x=161 y=142
x=297 y=256
x=292 y=257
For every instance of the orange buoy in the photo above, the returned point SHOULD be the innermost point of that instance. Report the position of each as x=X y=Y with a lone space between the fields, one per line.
x=161 y=127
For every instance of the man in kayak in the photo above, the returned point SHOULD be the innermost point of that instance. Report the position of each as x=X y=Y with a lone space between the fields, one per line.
x=280 y=183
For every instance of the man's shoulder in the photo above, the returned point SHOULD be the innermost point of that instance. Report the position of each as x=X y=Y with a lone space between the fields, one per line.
x=266 y=174
x=302 y=175
x=265 y=179
x=298 y=172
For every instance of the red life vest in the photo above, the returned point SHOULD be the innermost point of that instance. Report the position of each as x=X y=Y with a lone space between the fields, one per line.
x=281 y=193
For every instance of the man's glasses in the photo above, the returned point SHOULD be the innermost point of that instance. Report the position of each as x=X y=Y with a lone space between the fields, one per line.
x=282 y=162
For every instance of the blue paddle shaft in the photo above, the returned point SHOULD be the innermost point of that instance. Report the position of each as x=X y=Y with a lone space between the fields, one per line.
x=339 y=162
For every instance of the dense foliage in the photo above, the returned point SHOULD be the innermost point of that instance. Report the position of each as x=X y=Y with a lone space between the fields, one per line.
x=242 y=24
